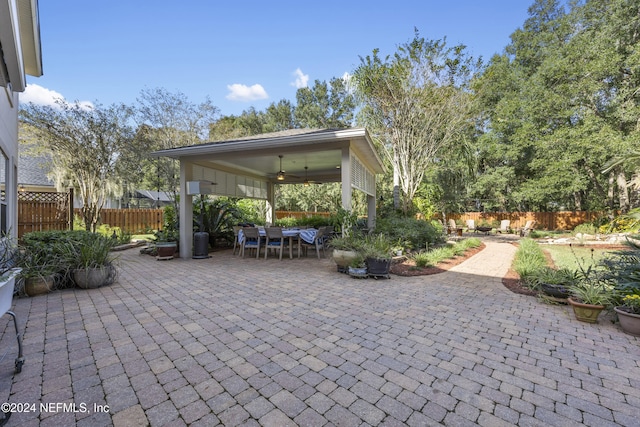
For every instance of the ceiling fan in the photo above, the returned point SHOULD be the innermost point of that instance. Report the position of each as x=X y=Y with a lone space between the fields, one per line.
x=306 y=181
x=281 y=175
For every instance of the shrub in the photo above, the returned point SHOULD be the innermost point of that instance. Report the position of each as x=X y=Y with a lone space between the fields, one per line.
x=623 y=268
x=436 y=255
x=67 y=249
x=416 y=234
x=529 y=260
x=286 y=222
x=586 y=228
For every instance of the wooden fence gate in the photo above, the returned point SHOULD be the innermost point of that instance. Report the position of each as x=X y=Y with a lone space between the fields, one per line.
x=39 y=211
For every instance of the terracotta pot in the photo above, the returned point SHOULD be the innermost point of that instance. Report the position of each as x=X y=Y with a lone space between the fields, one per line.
x=586 y=312
x=166 y=250
x=629 y=322
x=34 y=286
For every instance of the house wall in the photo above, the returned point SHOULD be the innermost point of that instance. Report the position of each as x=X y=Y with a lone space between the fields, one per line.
x=9 y=147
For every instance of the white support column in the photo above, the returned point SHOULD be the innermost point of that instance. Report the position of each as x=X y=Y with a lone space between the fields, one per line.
x=270 y=204
x=345 y=172
x=186 y=211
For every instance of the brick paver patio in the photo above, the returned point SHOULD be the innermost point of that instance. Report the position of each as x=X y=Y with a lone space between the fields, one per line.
x=231 y=341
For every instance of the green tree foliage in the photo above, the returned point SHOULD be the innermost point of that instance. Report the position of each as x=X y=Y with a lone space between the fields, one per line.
x=92 y=149
x=169 y=120
x=417 y=105
x=325 y=106
x=558 y=105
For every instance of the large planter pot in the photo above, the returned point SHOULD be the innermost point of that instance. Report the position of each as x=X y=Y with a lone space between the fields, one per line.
x=629 y=322
x=166 y=250
x=343 y=258
x=7 y=284
x=93 y=277
x=586 y=312
x=34 y=286
x=378 y=267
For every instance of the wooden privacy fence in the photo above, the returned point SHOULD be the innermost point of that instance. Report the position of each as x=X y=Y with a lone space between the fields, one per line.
x=131 y=220
x=565 y=220
x=40 y=211
x=298 y=215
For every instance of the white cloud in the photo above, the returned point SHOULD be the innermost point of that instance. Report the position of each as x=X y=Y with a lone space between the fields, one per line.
x=238 y=92
x=39 y=95
x=42 y=96
x=301 y=79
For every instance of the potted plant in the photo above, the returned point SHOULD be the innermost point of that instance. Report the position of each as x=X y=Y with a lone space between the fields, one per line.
x=345 y=250
x=91 y=261
x=39 y=270
x=166 y=243
x=9 y=271
x=589 y=296
x=377 y=252
x=8 y=274
x=556 y=283
x=357 y=267
x=629 y=314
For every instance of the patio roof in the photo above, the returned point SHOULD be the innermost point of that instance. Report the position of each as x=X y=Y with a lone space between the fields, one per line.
x=319 y=150
x=249 y=168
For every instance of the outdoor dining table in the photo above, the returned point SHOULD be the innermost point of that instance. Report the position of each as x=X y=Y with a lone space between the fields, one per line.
x=306 y=234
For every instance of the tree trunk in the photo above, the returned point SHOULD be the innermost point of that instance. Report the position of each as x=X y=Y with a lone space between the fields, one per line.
x=623 y=192
x=611 y=190
x=577 y=200
x=396 y=188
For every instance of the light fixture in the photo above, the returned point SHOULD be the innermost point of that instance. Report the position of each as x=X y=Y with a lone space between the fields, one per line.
x=306 y=181
x=280 y=174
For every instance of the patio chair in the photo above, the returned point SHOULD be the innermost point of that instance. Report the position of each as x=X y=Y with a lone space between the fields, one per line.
x=236 y=229
x=452 y=226
x=505 y=226
x=275 y=241
x=524 y=231
x=250 y=240
x=318 y=242
x=471 y=225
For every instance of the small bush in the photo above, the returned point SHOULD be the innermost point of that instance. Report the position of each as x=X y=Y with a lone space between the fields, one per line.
x=529 y=260
x=414 y=233
x=434 y=256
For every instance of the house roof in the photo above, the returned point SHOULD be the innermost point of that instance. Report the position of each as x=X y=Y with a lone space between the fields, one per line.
x=317 y=150
x=20 y=47
x=33 y=170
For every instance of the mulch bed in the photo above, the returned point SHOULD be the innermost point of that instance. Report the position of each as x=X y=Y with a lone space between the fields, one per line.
x=408 y=268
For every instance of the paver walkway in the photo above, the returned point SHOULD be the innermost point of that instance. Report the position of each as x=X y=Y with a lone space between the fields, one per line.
x=231 y=341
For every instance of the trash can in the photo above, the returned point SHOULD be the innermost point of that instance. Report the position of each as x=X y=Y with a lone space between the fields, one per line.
x=201 y=245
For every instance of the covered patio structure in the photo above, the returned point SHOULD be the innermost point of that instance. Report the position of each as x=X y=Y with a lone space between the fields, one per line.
x=250 y=168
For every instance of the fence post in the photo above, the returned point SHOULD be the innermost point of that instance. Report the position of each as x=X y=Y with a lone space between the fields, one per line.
x=70 y=213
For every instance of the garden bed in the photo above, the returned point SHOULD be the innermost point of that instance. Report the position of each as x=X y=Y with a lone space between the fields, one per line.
x=408 y=267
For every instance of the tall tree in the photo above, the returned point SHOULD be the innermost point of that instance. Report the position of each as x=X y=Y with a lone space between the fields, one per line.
x=417 y=105
x=325 y=106
x=168 y=120
x=92 y=149
x=559 y=104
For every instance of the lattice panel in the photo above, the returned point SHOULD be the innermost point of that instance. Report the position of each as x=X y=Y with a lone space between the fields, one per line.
x=41 y=196
x=361 y=178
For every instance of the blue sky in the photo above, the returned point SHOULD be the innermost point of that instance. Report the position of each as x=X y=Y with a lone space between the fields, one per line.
x=241 y=53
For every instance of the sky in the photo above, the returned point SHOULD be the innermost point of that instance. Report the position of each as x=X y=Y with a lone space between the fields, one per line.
x=241 y=54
